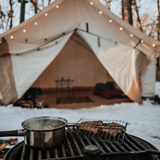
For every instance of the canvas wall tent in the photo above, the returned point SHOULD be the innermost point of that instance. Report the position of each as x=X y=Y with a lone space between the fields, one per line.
x=28 y=49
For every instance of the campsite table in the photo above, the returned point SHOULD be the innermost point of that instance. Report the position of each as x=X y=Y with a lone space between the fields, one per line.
x=63 y=85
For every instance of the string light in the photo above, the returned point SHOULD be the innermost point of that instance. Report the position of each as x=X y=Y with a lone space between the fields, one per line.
x=100 y=12
x=91 y=3
x=35 y=23
x=11 y=37
x=57 y=6
x=121 y=28
x=153 y=45
x=46 y=14
x=131 y=35
x=24 y=30
x=142 y=41
x=110 y=21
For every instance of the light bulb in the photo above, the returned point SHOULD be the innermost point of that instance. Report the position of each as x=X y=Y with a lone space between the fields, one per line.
x=46 y=14
x=11 y=37
x=110 y=21
x=121 y=28
x=131 y=35
x=91 y=3
x=100 y=12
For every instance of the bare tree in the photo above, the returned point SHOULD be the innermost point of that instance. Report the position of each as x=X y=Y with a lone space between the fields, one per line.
x=122 y=4
x=158 y=32
x=138 y=17
x=2 y=18
x=127 y=11
x=108 y=3
x=10 y=14
x=158 y=25
x=49 y=1
x=34 y=4
x=43 y=4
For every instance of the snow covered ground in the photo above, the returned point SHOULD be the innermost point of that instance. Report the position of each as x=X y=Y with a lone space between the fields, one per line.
x=144 y=119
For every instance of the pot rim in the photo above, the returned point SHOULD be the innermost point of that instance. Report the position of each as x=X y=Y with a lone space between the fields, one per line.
x=24 y=123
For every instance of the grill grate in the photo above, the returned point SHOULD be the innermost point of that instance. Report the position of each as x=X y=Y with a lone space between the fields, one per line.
x=101 y=130
x=72 y=148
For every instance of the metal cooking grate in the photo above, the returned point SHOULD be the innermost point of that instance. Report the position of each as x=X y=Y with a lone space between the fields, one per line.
x=72 y=148
x=101 y=130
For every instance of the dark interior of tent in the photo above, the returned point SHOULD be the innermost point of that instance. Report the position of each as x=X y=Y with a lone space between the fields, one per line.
x=75 y=76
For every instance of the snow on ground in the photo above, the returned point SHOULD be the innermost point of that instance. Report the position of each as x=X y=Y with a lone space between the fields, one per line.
x=144 y=119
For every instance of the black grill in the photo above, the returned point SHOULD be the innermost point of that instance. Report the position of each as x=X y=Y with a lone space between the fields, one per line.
x=73 y=146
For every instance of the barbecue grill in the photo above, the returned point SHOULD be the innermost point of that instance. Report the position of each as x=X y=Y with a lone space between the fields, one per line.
x=72 y=148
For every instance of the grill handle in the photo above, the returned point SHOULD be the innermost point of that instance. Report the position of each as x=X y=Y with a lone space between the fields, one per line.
x=12 y=133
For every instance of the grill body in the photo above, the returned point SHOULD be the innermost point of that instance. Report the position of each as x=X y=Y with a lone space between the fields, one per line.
x=132 y=148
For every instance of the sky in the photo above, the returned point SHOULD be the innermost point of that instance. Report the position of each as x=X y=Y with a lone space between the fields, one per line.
x=145 y=6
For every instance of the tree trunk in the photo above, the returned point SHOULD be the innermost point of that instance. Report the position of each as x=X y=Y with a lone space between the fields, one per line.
x=158 y=30
x=34 y=4
x=138 y=17
x=122 y=4
x=35 y=8
x=127 y=4
x=108 y=3
x=10 y=15
x=49 y=1
x=158 y=25
x=43 y=4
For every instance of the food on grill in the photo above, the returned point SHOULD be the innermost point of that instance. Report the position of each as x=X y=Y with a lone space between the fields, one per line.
x=91 y=126
x=48 y=127
x=112 y=129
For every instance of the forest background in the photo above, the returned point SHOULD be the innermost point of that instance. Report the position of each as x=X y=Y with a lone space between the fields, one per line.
x=142 y=14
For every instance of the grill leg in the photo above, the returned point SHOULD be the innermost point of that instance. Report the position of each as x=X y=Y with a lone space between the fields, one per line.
x=91 y=152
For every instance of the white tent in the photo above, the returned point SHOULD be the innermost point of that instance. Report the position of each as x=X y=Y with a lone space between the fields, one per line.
x=127 y=54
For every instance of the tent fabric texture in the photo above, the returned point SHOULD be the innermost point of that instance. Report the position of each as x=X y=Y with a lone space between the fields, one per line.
x=80 y=40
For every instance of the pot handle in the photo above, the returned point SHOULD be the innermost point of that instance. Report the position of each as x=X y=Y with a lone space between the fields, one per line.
x=12 y=133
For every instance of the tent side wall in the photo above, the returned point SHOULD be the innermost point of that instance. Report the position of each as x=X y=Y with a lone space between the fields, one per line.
x=148 y=80
x=75 y=61
x=8 y=93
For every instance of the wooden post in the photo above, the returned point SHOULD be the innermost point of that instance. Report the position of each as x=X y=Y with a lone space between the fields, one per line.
x=91 y=152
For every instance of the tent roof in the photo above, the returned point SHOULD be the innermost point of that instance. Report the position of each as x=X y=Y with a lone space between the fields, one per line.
x=73 y=14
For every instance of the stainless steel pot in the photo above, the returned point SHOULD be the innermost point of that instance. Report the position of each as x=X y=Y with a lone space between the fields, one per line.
x=41 y=132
